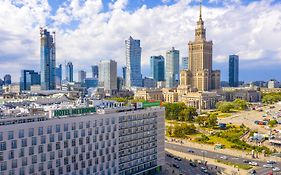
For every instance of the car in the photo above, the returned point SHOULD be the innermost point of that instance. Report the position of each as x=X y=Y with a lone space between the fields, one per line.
x=190 y=151
x=177 y=158
x=170 y=155
x=271 y=162
x=276 y=169
x=224 y=157
x=253 y=163
x=176 y=166
x=246 y=161
x=253 y=172
x=268 y=166
x=203 y=169
x=192 y=164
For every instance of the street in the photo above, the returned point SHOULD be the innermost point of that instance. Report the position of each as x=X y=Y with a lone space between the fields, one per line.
x=213 y=155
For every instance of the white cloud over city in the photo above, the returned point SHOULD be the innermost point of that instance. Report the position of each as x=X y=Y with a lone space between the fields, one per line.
x=87 y=33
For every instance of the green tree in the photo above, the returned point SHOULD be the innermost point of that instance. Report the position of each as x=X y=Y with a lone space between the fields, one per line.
x=240 y=104
x=169 y=131
x=201 y=120
x=224 y=106
x=212 y=120
x=272 y=123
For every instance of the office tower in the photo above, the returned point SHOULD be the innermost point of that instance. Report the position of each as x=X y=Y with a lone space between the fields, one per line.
x=172 y=68
x=58 y=75
x=184 y=63
x=273 y=84
x=120 y=83
x=124 y=68
x=233 y=73
x=1 y=82
x=48 y=59
x=29 y=78
x=133 y=63
x=81 y=76
x=157 y=66
x=200 y=75
x=108 y=74
x=81 y=141
x=69 y=72
x=95 y=71
x=7 y=79
x=149 y=82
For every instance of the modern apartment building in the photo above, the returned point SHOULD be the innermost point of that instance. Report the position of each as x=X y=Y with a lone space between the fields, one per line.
x=113 y=140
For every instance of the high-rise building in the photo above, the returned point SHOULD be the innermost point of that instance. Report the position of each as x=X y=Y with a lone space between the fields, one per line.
x=172 y=68
x=200 y=76
x=124 y=68
x=82 y=76
x=29 y=78
x=48 y=60
x=184 y=63
x=91 y=82
x=233 y=73
x=84 y=140
x=95 y=71
x=69 y=72
x=273 y=84
x=7 y=79
x=108 y=74
x=133 y=63
x=58 y=75
x=157 y=67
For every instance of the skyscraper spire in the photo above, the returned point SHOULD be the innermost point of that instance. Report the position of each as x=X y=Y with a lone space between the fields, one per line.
x=200 y=16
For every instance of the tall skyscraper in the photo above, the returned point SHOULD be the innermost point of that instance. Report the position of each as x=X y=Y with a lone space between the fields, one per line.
x=108 y=74
x=7 y=79
x=184 y=63
x=200 y=75
x=58 y=75
x=133 y=63
x=29 y=78
x=48 y=59
x=81 y=76
x=233 y=72
x=95 y=71
x=172 y=68
x=69 y=72
x=124 y=68
x=157 y=67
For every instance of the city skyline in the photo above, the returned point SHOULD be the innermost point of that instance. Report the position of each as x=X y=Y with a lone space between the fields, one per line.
x=257 y=41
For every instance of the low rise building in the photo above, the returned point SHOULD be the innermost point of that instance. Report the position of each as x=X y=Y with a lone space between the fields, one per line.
x=149 y=94
x=247 y=94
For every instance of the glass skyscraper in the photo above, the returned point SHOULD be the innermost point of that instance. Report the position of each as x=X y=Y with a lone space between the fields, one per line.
x=133 y=63
x=157 y=64
x=7 y=79
x=69 y=72
x=95 y=71
x=82 y=76
x=29 y=78
x=58 y=75
x=172 y=68
x=233 y=70
x=48 y=60
x=184 y=63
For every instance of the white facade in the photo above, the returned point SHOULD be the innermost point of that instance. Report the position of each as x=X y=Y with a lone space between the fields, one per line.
x=129 y=142
x=273 y=84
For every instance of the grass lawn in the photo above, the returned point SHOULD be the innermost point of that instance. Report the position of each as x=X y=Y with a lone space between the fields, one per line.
x=240 y=166
x=219 y=140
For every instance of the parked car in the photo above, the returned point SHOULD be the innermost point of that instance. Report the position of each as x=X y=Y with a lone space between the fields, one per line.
x=224 y=157
x=271 y=162
x=177 y=158
x=190 y=151
x=176 y=166
x=192 y=164
x=170 y=155
x=246 y=161
x=253 y=172
x=268 y=166
x=276 y=169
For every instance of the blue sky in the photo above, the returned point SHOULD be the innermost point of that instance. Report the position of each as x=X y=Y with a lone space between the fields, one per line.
x=92 y=30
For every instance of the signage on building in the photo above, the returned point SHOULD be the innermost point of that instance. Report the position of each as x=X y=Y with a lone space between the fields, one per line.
x=148 y=104
x=72 y=111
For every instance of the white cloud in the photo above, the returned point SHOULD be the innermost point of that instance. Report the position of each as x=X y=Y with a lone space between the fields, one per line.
x=252 y=31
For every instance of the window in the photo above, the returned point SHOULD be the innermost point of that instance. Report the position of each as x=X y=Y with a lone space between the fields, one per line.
x=52 y=137
x=65 y=127
x=83 y=133
x=23 y=142
x=43 y=157
x=57 y=128
x=40 y=131
x=24 y=161
x=49 y=147
x=34 y=159
x=73 y=126
x=21 y=133
x=14 y=163
x=60 y=153
x=67 y=135
x=40 y=149
x=50 y=165
x=58 y=163
x=31 y=150
x=34 y=140
x=68 y=151
x=65 y=144
x=90 y=131
x=52 y=155
x=65 y=160
x=57 y=145
x=107 y=121
x=3 y=146
x=21 y=152
x=75 y=134
x=80 y=125
x=11 y=154
x=43 y=139
x=1 y=156
x=41 y=167
x=81 y=140
x=73 y=142
x=3 y=166
x=10 y=135
x=49 y=130
x=31 y=169
x=60 y=137
x=31 y=132
x=88 y=124
x=1 y=136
